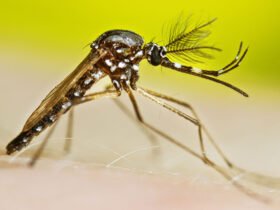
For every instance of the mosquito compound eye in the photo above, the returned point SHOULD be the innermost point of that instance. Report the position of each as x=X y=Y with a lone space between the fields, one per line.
x=163 y=52
x=155 y=56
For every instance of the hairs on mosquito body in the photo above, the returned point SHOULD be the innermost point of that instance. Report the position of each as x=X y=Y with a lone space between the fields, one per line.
x=186 y=42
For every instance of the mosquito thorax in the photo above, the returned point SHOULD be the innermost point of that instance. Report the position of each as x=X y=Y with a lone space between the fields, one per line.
x=154 y=53
x=125 y=52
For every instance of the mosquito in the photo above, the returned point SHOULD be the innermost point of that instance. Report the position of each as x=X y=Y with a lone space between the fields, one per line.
x=116 y=54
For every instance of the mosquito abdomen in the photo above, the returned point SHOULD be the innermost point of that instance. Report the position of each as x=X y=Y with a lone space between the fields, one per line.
x=64 y=105
x=21 y=141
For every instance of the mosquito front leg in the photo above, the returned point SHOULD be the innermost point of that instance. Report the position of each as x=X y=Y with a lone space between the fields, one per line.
x=124 y=109
x=200 y=124
x=150 y=135
x=225 y=173
x=172 y=140
x=136 y=109
x=155 y=97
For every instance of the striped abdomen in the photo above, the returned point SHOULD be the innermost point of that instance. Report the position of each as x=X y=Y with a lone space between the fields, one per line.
x=63 y=105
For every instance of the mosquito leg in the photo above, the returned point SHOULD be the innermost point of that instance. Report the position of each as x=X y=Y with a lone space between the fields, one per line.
x=196 y=121
x=188 y=106
x=114 y=94
x=120 y=105
x=90 y=97
x=98 y=95
x=136 y=108
x=69 y=132
x=42 y=146
x=225 y=173
x=147 y=132
x=134 y=103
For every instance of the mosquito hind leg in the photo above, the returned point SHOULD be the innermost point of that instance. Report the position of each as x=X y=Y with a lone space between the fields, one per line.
x=39 y=151
x=90 y=97
x=152 y=95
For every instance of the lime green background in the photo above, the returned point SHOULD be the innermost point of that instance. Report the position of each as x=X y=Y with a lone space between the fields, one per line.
x=60 y=29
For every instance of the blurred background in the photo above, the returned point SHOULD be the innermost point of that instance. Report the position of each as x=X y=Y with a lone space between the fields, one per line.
x=42 y=41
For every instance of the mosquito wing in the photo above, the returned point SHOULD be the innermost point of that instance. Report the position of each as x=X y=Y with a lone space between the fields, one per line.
x=62 y=88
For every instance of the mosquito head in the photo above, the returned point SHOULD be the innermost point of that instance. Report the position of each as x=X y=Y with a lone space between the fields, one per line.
x=154 y=53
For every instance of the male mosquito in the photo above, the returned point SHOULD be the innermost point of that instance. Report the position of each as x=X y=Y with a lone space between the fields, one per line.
x=117 y=54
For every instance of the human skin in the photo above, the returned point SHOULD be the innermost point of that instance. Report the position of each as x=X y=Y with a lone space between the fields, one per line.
x=66 y=183
x=61 y=183
x=58 y=184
